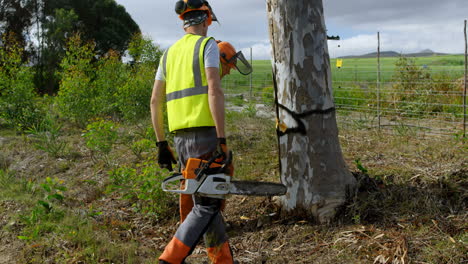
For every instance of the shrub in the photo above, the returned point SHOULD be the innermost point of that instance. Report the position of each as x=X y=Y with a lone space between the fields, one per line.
x=46 y=136
x=134 y=96
x=142 y=49
x=18 y=99
x=142 y=187
x=100 y=136
x=412 y=84
x=111 y=74
x=76 y=98
x=140 y=146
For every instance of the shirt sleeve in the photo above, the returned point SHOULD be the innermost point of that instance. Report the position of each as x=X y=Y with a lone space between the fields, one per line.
x=160 y=74
x=211 y=54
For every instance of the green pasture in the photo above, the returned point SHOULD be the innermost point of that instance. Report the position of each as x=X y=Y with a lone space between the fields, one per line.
x=426 y=85
x=356 y=70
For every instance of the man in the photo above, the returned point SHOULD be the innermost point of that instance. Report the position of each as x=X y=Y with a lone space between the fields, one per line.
x=189 y=78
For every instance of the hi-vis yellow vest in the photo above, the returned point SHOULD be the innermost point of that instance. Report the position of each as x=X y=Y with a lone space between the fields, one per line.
x=186 y=84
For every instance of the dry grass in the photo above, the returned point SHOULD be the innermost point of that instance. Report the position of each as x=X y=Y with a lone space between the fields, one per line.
x=410 y=207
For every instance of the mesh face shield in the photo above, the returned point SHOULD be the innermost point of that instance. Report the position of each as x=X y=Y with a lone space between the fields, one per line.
x=239 y=62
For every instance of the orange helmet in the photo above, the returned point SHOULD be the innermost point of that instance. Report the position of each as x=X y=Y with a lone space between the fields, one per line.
x=233 y=59
x=184 y=6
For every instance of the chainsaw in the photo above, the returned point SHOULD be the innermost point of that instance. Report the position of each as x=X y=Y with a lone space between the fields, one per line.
x=210 y=179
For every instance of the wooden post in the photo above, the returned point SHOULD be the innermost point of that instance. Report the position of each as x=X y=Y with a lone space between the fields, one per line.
x=378 y=78
x=465 y=83
x=311 y=161
x=251 y=73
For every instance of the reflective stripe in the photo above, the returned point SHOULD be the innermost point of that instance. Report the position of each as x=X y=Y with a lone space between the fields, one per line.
x=164 y=63
x=196 y=63
x=186 y=92
x=199 y=88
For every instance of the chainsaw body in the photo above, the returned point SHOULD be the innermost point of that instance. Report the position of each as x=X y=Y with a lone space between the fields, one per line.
x=208 y=178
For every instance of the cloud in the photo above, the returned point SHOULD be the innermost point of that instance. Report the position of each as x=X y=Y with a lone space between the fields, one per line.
x=260 y=51
x=405 y=26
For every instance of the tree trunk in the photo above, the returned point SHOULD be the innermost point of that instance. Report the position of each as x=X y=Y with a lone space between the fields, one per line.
x=311 y=161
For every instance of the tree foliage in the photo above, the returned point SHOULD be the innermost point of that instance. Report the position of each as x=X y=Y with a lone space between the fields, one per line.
x=104 y=21
x=16 y=17
x=76 y=95
x=18 y=100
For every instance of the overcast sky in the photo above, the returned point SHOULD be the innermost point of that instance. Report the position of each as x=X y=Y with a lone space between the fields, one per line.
x=405 y=25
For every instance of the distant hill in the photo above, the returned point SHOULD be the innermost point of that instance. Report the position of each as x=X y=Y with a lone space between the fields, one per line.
x=383 y=54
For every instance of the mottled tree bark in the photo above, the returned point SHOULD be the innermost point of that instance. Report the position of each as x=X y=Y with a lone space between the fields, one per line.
x=311 y=161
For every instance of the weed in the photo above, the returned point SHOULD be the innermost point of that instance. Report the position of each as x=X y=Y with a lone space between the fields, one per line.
x=46 y=212
x=46 y=136
x=142 y=186
x=361 y=167
x=144 y=145
x=100 y=136
x=403 y=130
x=250 y=110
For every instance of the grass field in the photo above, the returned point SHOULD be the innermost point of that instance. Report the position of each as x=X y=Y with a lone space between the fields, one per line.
x=357 y=70
x=422 y=86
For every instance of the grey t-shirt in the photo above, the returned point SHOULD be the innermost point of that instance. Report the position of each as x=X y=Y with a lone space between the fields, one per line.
x=211 y=59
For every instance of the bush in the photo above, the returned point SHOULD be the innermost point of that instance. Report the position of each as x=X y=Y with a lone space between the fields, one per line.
x=111 y=74
x=412 y=84
x=18 y=99
x=46 y=136
x=134 y=96
x=142 y=187
x=100 y=137
x=76 y=98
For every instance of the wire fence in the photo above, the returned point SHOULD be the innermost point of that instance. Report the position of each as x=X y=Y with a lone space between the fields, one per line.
x=422 y=99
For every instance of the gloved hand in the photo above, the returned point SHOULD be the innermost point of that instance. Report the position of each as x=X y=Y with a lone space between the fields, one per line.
x=223 y=152
x=221 y=149
x=165 y=155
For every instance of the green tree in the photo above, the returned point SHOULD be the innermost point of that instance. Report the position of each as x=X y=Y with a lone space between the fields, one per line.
x=111 y=74
x=133 y=97
x=57 y=29
x=104 y=21
x=18 y=100
x=16 y=16
x=77 y=92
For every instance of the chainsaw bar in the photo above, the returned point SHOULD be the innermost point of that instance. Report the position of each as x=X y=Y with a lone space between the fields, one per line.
x=253 y=188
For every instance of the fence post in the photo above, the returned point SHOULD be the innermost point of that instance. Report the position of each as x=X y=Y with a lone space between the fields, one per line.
x=251 y=73
x=378 y=77
x=465 y=81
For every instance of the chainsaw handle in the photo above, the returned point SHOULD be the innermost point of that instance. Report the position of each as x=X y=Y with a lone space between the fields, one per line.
x=177 y=177
x=172 y=184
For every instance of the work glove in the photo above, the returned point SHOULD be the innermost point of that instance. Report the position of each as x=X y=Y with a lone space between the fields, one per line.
x=221 y=149
x=165 y=155
x=223 y=153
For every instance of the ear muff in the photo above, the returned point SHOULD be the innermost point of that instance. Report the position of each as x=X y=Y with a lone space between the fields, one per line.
x=184 y=6
x=193 y=4
x=180 y=7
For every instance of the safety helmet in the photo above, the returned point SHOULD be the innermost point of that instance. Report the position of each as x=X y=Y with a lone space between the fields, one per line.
x=184 y=6
x=233 y=59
